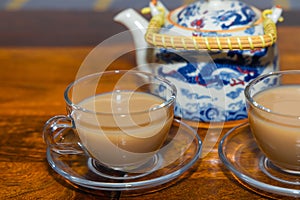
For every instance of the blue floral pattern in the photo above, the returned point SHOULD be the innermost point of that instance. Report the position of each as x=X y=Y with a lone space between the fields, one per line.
x=211 y=85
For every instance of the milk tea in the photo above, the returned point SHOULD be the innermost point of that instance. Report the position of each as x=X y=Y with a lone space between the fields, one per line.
x=118 y=139
x=278 y=135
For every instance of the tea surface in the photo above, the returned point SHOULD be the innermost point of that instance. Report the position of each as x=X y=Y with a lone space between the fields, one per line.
x=283 y=99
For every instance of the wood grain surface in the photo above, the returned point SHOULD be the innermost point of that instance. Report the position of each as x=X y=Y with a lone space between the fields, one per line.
x=32 y=82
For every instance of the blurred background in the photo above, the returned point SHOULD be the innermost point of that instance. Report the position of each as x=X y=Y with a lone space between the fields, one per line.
x=86 y=22
x=115 y=5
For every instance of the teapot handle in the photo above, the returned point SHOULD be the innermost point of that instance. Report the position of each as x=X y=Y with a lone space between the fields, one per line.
x=153 y=37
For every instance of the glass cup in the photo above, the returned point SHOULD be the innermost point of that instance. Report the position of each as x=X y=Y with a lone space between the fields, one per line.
x=120 y=118
x=273 y=102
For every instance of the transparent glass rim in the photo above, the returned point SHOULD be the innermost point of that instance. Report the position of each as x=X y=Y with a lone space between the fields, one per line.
x=258 y=79
x=166 y=103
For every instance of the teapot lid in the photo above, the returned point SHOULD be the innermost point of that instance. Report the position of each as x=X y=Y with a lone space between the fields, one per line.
x=215 y=15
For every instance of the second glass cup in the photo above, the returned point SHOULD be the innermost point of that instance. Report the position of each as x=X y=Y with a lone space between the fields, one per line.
x=274 y=117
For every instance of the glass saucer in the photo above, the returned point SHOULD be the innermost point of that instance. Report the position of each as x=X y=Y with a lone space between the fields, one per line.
x=240 y=154
x=181 y=150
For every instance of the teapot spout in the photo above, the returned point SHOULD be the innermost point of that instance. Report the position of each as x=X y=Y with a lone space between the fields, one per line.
x=132 y=20
x=137 y=26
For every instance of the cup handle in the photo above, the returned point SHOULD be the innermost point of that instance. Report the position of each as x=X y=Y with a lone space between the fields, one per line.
x=60 y=136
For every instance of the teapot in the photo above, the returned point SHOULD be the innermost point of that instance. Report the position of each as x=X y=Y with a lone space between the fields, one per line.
x=209 y=49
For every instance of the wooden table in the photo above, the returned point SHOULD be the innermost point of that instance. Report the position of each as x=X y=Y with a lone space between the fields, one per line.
x=33 y=80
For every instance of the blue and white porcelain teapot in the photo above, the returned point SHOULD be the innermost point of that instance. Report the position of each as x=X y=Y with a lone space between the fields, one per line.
x=210 y=50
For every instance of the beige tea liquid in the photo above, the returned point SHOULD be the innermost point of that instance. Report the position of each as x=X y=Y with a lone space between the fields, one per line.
x=278 y=131
x=118 y=139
